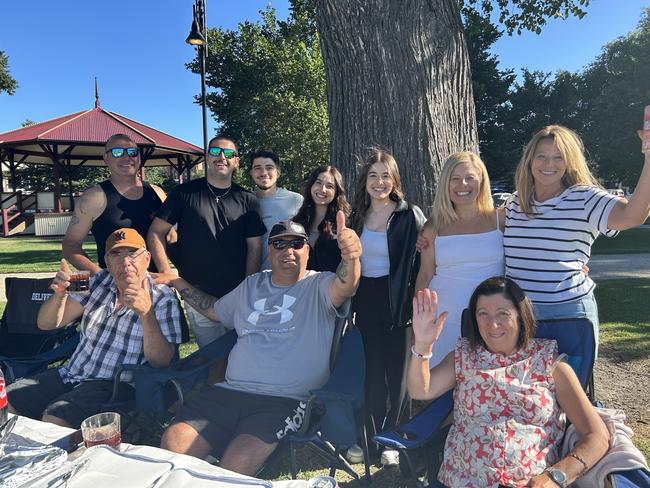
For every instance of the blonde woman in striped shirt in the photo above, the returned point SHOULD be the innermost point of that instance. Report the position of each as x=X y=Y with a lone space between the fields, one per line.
x=556 y=214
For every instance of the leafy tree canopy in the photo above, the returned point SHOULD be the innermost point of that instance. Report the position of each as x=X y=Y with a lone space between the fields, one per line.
x=7 y=82
x=269 y=85
x=520 y=15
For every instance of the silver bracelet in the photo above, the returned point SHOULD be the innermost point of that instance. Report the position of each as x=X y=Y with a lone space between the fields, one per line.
x=420 y=356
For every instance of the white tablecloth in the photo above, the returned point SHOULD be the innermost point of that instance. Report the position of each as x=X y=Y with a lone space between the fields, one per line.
x=135 y=466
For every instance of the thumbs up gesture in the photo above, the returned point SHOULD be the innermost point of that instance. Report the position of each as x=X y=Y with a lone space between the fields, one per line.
x=348 y=240
x=61 y=281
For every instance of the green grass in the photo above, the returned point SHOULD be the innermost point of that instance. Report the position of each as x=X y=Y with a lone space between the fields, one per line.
x=625 y=322
x=35 y=254
x=628 y=242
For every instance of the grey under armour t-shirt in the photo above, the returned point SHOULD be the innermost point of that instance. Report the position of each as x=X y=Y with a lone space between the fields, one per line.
x=282 y=205
x=284 y=334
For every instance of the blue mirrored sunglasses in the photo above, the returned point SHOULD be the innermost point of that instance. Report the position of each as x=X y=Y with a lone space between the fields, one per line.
x=118 y=152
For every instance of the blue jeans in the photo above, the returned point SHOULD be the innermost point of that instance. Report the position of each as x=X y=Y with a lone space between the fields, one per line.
x=584 y=307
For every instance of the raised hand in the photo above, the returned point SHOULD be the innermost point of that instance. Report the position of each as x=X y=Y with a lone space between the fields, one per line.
x=61 y=280
x=137 y=295
x=348 y=240
x=427 y=324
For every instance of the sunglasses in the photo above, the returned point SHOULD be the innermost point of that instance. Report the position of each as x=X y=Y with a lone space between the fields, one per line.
x=281 y=244
x=118 y=152
x=227 y=153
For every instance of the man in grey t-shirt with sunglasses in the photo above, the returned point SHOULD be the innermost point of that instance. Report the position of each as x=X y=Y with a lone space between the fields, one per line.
x=284 y=320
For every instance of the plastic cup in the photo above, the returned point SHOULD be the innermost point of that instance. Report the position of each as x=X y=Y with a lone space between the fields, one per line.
x=79 y=282
x=103 y=428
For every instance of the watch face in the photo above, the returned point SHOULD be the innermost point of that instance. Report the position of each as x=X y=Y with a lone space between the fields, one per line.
x=558 y=476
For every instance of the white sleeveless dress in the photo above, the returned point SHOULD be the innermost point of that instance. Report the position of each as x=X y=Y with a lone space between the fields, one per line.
x=462 y=262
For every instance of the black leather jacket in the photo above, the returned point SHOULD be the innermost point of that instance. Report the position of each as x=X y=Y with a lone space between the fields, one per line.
x=402 y=233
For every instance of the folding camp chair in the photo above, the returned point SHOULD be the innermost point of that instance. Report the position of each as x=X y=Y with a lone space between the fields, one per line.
x=334 y=417
x=160 y=392
x=25 y=349
x=575 y=337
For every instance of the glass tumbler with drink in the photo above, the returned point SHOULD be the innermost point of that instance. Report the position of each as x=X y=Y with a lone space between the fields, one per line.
x=79 y=282
x=103 y=428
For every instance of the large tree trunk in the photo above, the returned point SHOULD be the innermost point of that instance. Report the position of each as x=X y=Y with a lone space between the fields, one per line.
x=398 y=76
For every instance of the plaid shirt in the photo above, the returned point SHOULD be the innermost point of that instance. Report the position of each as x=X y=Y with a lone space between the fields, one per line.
x=109 y=338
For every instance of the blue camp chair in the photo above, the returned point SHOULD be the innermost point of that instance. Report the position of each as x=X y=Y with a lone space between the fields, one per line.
x=160 y=392
x=575 y=338
x=26 y=350
x=157 y=389
x=334 y=417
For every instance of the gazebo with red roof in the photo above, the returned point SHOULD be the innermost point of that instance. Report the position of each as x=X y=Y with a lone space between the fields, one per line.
x=78 y=139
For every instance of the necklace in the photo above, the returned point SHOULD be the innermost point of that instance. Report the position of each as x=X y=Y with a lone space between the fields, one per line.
x=217 y=197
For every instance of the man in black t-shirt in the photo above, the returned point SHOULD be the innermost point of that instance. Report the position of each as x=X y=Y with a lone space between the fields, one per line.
x=219 y=233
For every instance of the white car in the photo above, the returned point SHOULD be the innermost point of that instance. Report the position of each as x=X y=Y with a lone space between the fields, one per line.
x=616 y=191
x=500 y=198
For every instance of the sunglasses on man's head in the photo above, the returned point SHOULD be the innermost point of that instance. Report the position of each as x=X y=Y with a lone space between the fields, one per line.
x=281 y=244
x=227 y=153
x=118 y=152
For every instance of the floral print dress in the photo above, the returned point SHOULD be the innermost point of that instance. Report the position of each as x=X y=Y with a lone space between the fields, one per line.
x=507 y=423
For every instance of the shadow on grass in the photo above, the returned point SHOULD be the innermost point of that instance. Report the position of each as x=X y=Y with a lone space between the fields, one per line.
x=23 y=259
x=311 y=464
x=29 y=257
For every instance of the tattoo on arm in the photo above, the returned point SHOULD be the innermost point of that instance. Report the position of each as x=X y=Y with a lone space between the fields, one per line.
x=342 y=271
x=74 y=220
x=198 y=299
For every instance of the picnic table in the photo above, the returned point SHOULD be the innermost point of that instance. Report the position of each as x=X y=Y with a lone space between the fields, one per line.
x=133 y=466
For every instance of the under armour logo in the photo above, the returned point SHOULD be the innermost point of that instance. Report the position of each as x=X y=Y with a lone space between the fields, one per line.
x=120 y=236
x=260 y=309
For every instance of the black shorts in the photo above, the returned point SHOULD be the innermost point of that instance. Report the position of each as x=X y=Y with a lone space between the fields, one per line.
x=46 y=393
x=221 y=414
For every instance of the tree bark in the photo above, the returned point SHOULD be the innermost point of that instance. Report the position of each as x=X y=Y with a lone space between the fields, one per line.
x=398 y=76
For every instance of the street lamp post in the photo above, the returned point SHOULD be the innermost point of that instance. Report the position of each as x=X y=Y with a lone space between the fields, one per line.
x=199 y=37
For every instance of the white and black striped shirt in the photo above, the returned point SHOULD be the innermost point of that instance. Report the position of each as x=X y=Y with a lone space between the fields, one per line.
x=545 y=254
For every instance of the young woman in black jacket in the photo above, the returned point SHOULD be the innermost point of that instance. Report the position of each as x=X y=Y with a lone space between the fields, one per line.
x=324 y=195
x=388 y=227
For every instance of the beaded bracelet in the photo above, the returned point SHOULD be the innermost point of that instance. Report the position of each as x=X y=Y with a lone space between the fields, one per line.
x=420 y=356
x=578 y=458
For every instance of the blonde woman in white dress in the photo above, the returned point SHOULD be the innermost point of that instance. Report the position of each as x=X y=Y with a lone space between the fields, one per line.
x=461 y=244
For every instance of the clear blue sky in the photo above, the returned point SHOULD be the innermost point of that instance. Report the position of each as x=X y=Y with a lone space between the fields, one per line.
x=137 y=50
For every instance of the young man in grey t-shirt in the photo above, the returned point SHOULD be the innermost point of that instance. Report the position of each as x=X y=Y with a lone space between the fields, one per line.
x=284 y=320
x=276 y=203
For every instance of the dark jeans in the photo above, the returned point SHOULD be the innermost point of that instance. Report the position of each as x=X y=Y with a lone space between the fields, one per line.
x=384 y=350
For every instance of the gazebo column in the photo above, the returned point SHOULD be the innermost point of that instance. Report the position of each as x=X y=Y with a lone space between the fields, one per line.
x=12 y=171
x=57 y=186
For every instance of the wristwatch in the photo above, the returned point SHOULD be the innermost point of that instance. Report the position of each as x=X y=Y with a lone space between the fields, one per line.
x=557 y=476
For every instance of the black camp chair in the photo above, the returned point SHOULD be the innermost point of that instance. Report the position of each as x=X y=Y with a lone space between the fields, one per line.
x=25 y=349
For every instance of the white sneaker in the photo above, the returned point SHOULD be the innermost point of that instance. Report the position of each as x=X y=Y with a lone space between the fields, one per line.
x=389 y=458
x=354 y=454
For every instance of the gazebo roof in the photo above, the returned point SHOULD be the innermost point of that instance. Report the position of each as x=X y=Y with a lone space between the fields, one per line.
x=80 y=137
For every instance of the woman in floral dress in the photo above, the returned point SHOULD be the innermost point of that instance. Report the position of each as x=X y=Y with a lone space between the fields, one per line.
x=510 y=391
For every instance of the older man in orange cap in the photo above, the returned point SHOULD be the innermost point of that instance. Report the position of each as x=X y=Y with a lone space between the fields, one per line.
x=125 y=319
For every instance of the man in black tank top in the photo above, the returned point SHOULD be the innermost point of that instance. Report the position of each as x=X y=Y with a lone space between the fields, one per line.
x=121 y=201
